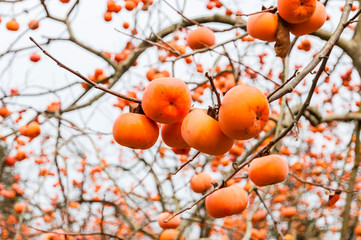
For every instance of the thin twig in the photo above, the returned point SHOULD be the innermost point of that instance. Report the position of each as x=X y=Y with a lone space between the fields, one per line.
x=186 y=163
x=214 y=89
x=84 y=78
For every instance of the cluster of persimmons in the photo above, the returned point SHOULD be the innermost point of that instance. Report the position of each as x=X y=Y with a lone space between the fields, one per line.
x=302 y=17
x=242 y=114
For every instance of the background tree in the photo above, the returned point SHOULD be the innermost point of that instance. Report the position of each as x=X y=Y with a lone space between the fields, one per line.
x=63 y=176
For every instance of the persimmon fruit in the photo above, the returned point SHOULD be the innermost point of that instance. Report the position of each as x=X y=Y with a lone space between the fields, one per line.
x=173 y=223
x=35 y=57
x=311 y=25
x=202 y=132
x=31 y=130
x=33 y=24
x=108 y=16
x=4 y=112
x=263 y=26
x=358 y=230
x=135 y=131
x=227 y=201
x=268 y=170
x=166 y=100
x=172 y=136
x=201 y=182
x=12 y=25
x=201 y=37
x=244 y=112
x=288 y=211
x=130 y=5
x=169 y=234
x=296 y=11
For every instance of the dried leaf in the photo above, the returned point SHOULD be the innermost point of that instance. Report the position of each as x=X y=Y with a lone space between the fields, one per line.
x=283 y=38
x=333 y=198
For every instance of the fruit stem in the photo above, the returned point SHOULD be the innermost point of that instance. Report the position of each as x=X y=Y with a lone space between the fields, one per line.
x=138 y=109
x=211 y=80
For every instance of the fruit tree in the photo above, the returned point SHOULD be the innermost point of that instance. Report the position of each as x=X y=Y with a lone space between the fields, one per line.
x=180 y=119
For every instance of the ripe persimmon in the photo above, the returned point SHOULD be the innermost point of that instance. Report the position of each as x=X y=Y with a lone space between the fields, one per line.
x=12 y=25
x=166 y=100
x=201 y=37
x=227 y=201
x=30 y=130
x=358 y=230
x=35 y=57
x=19 y=207
x=296 y=11
x=244 y=112
x=130 y=5
x=172 y=136
x=135 y=130
x=108 y=16
x=202 y=132
x=268 y=170
x=4 y=112
x=315 y=22
x=33 y=24
x=201 y=182
x=263 y=26
x=173 y=223
x=288 y=211
x=169 y=234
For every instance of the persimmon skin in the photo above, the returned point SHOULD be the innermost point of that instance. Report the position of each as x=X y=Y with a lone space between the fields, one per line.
x=135 y=131
x=201 y=182
x=244 y=112
x=201 y=37
x=227 y=201
x=296 y=11
x=173 y=223
x=268 y=170
x=203 y=133
x=311 y=25
x=166 y=100
x=263 y=26
x=172 y=136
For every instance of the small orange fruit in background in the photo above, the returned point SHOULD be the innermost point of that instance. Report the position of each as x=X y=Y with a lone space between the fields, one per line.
x=33 y=24
x=4 y=112
x=130 y=5
x=166 y=100
x=268 y=170
x=358 y=230
x=311 y=25
x=108 y=16
x=35 y=57
x=227 y=201
x=263 y=26
x=172 y=136
x=288 y=211
x=201 y=37
x=135 y=131
x=169 y=234
x=201 y=182
x=19 y=207
x=296 y=11
x=202 y=132
x=244 y=112
x=32 y=130
x=173 y=223
x=12 y=25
